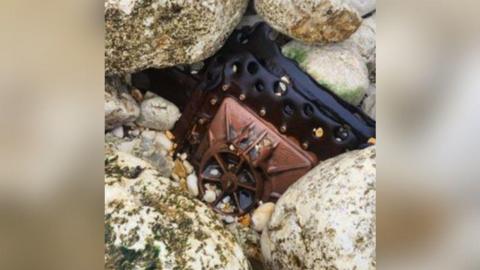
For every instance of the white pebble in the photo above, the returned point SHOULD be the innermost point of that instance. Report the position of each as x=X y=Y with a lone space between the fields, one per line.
x=261 y=216
x=214 y=172
x=188 y=167
x=228 y=219
x=163 y=141
x=134 y=132
x=192 y=184
x=118 y=132
x=209 y=196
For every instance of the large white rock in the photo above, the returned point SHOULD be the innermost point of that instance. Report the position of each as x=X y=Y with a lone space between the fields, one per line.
x=157 y=113
x=310 y=21
x=326 y=220
x=120 y=107
x=162 y=33
x=337 y=67
x=151 y=224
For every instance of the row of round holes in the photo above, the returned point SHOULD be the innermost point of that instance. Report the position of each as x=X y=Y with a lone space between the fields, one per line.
x=280 y=90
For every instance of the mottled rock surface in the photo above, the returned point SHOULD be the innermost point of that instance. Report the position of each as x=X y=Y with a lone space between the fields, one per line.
x=120 y=108
x=148 y=146
x=326 y=220
x=157 y=113
x=151 y=224
x=310 y=21
x=369 y=104
x=337 y=67
x=249 y=240
x=363 y=40
x=162 y=33
x=362 y=6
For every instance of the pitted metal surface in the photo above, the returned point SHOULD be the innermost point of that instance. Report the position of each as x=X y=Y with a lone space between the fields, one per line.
x=256 y=111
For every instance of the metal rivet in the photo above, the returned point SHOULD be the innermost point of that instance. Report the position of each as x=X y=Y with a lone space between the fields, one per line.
x=285 y=79
x=283 y=128
x=318 y=132
x=242 y=97
x=263 y=112
x=225 y=87
x=305 y=145
x=213 y=101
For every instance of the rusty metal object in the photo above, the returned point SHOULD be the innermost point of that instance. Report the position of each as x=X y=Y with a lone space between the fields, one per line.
x=259 y=122
x=252 y=160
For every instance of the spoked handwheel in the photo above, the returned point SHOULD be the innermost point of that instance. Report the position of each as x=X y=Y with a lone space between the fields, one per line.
x=228 y=182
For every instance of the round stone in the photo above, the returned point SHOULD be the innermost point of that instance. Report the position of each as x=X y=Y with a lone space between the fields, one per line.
x=142 y=34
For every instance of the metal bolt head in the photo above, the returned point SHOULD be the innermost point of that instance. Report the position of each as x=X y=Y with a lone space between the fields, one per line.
x=305 y=145
x=225 y=87
x=213 y=101
x=318 y=132
x=285 y=79
x=263 y=112
x=242 y=97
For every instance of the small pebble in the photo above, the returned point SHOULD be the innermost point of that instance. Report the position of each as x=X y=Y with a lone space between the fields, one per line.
x=261 y=216
x=192 y=184
x=188 y=167
x=163 y=141
x=179 y=169
x=170 y=135
x=228 y=219
x=175 y=177
x=134 y=132
x=137 y=95
x=118 y=132
x=245 y=220
x=209 y=196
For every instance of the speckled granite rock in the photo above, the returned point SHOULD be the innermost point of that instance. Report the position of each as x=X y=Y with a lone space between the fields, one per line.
x=326 y=220
x=151 y=224
x=249 y=240
x=310 y=21
x=162 y=33
x=369 y=104
x=336 y=67
x=157 y=113
x=120 y=108
x=362 y=6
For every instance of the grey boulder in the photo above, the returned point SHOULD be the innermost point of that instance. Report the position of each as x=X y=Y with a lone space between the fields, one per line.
x=151 y=224
x=326 y=220
x=163 y=33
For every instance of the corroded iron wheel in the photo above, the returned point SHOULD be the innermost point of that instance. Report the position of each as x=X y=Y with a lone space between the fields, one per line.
x=238 y=185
